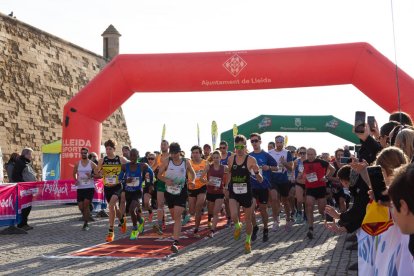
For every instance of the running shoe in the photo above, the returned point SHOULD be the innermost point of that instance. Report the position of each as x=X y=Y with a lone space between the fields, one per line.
x=141 y=226
x=124 y=226
x=254 y=234
x=247 y=248
x=209 y=225
x=110 y=236
x=211 y=234
x=288 y=226
x=196 y=234
x=85 y=227
x=265 y=235
x=275 y=226
x=299 y=218
x=186 y=219
x=157 y=229
x=310 y=234
x=134 y=235
x=237 y=231
x=174 y=247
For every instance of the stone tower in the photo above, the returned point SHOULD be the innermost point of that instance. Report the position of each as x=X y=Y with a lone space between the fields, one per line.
x=110 y=42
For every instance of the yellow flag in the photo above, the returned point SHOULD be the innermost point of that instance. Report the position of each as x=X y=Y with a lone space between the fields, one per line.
x=163 y=133
x=286 y=140
x=214 y=134
x=198 y=135
x=235 y=130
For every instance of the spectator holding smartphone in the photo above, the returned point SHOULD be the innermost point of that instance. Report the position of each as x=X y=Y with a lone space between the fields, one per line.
x=378 y=225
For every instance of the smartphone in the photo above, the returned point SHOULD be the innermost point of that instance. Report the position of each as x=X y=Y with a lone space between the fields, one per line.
x=359 y=122
x=371 y=122
x=377 y=183
x=344 y=160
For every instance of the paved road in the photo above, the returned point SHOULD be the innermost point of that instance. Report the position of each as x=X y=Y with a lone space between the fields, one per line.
x=57 y=231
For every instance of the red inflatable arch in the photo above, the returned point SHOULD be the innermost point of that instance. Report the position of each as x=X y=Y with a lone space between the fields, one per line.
x=355 y=63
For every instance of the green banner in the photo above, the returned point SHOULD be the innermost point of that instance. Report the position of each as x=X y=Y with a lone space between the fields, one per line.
x=293 y=123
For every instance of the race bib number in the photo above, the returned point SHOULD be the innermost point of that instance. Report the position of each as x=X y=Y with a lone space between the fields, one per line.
x=199 y=174
x=173 y=189
x=215 y=181
x=111 y=180
x=134 y=182
x=312 y=177
x=84 y=181
x=240 y=188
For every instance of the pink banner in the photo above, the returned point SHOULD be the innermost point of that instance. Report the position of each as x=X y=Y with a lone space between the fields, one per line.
x=8 y=195
x=53 y=192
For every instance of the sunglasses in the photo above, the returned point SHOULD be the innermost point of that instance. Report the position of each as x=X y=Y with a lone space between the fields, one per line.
x=84 y=152
x=254 y=141
x=239 y=147
x=223 y=147
x=302 y=153
x=151 y=158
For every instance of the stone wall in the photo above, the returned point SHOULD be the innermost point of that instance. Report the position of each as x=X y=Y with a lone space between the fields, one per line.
x=39 y=73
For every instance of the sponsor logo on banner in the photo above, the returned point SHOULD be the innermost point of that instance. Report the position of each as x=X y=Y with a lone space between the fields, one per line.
x=71 y=147
x=29 y=192
x=55 y=189
x=265 y=122
x=235 y=65
x=298 y=122
x=332 y=124
x=7 y=203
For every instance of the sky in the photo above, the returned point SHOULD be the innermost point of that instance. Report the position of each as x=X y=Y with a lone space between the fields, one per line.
x=203 y=26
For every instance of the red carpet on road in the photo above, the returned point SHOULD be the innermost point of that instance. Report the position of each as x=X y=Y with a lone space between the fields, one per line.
x=149 y=244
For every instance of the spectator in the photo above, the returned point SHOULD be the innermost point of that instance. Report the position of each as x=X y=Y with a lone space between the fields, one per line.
x=351 y=220
x=405 y=141
x=401 y=117
x=401 y=193
x=23 y=172
x=10 y=165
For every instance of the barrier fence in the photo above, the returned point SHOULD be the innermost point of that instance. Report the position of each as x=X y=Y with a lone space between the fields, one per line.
x=15 y=197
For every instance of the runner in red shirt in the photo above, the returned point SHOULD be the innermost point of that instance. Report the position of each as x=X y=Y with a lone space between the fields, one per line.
x=315 y=174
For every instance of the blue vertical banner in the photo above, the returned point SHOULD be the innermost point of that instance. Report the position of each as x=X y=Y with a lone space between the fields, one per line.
x=51 y=166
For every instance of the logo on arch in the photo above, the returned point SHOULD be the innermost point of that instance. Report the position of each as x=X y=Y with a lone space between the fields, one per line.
x=235 y=65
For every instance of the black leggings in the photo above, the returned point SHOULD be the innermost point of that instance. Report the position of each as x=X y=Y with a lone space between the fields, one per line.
x=25 y=216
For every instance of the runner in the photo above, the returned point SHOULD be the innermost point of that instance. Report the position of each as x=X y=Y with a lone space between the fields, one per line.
x=150 y=194
x=109 y=168
x=225 y=154
x=217 y=177
x=197 y=191
x=300 y=184
x=207 y=153
x=126 y=151
x=132 y=175
x=82 y=173
x=260 y=191
x=338 y=192
x=315 y=174
x=280 y=185
x=240 y=189
x=173 y=172
x=160 y=186
x=271 y=146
